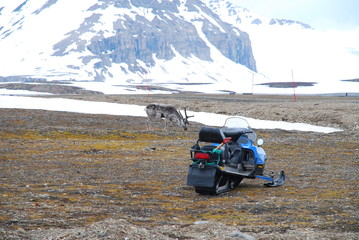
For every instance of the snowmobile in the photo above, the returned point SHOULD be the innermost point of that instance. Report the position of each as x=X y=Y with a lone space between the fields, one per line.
x=222 y=157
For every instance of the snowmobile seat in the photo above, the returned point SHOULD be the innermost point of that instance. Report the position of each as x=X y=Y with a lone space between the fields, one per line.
x=213 y=135
x=234 y=133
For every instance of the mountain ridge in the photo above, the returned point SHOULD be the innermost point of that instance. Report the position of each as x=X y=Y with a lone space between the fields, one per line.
x=134 y=38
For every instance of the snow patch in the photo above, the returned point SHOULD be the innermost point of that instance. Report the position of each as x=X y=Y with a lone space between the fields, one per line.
x=90 y=107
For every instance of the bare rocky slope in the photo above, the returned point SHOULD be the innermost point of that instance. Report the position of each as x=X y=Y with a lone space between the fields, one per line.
x=82 y=176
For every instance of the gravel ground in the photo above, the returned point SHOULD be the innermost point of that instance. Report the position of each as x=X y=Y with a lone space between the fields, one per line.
x=83 y=176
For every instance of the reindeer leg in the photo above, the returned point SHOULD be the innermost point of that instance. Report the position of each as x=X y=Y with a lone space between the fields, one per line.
x=165 y=128
x=148 y=123
x=173 y=125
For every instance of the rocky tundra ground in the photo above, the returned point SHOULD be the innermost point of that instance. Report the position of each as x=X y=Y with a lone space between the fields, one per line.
x=82 y=176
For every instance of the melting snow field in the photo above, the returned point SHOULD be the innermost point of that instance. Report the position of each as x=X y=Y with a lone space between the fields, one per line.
x=90 y=107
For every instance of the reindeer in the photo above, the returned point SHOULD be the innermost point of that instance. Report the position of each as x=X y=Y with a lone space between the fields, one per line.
x=168 y=113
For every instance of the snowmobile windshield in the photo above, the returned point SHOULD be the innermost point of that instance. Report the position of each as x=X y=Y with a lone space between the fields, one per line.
x=239 y=124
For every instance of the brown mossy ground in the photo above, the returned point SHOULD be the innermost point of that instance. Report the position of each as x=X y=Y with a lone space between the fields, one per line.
x=64 y=169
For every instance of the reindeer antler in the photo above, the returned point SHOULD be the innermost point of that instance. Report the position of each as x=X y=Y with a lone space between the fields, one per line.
x=185 y=113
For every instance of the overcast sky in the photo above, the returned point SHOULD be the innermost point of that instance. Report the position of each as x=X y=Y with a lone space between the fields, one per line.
x=320 y=14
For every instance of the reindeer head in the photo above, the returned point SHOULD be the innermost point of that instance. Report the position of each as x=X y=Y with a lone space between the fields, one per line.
x=184 y=120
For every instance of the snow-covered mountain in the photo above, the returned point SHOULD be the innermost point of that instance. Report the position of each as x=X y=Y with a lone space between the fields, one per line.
x=168 y=42
x=122 y=41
